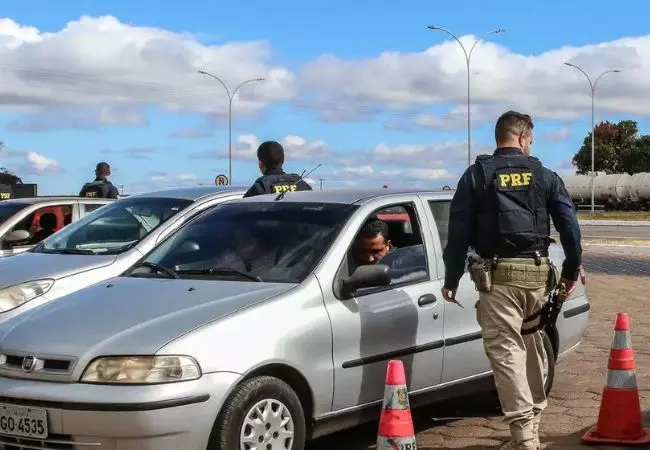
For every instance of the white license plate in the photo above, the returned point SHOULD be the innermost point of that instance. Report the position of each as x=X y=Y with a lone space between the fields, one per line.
x=23 y=421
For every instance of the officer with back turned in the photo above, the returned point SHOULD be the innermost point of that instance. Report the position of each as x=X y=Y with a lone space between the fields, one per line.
x=101 y=187
x=270 y=156
x=501 y=208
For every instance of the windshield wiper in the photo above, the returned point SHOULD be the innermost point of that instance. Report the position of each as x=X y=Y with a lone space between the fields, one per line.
x=219 y=271
x=68 y=251
x=157 y=268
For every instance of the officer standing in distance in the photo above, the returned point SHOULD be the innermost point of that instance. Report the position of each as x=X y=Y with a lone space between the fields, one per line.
x=501 y=208
x=101 y=187
x=270 y=156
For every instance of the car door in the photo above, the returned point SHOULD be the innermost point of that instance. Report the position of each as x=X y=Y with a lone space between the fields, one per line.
x=31 y=220
x=402 y=321
x=464 y=355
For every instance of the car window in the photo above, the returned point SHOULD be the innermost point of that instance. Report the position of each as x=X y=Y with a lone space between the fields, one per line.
x=271 y=242
x=440 y=211
x=87 y=208
x=115 y=228
x=8 y=209
x=43 y=222
x=406 y=259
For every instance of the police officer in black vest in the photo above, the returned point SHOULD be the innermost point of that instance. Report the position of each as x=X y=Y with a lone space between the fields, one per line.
x=5 y=192
x=501 y=208
x=101 y=187
x=270 y=156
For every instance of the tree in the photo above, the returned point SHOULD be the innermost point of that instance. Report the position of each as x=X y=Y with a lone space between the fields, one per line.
x=618 y=148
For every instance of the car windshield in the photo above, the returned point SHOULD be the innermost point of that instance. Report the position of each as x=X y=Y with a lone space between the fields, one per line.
x=114 y=228
x=269 y=242
x=9 y=209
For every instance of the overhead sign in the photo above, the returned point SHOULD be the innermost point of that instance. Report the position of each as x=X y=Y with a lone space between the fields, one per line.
x=221 y=180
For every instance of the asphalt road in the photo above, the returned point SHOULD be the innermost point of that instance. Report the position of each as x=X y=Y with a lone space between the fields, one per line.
x=599 y=231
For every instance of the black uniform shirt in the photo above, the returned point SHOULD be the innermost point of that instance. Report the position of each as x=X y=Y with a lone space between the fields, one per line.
x=462 y=221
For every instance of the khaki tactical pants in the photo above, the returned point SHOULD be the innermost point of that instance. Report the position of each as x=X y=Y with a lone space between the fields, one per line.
x=517 y=361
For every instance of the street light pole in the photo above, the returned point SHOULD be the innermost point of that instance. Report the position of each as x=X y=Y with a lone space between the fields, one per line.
x=468 y=57
x=593 y=123
x=231 y=96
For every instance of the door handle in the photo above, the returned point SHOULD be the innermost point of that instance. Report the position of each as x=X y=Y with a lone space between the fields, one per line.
x=427 y=299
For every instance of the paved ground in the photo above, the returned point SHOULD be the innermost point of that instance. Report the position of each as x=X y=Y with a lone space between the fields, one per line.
x=617 y=282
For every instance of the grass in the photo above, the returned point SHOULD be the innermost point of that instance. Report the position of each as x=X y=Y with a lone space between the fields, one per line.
x=614 y=215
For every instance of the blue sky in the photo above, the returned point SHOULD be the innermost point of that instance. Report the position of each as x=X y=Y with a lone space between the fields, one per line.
x=379 y=109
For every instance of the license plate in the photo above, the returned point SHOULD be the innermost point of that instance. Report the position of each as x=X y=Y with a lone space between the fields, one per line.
x=23 y=421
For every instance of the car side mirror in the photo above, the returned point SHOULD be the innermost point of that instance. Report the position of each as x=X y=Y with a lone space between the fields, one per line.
x=374 y=275
x=17 y=237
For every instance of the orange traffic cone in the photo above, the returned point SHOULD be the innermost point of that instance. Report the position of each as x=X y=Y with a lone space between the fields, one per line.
x=619 y=420
x=395 y=423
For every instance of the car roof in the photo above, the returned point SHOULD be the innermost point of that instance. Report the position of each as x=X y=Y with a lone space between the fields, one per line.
x=348 y=195
x=192 y=193
x=45 y=199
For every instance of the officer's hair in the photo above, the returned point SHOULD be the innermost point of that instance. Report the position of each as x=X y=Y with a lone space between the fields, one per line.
x=271 y=154
x=512 y=123
x=374 y=227
x=103 y=168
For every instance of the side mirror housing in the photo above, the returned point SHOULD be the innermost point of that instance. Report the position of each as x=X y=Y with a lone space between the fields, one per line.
x=374 y=275
x=17 y=237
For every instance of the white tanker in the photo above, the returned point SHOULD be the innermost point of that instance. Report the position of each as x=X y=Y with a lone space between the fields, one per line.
x=617 y=191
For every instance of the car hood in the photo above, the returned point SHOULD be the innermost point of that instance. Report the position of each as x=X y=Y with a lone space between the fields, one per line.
x=128 y=315
x=33 y=266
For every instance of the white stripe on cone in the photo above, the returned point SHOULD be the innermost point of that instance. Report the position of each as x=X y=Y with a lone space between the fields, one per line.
x=621 y=379
x=396 y=397
x=396 y=443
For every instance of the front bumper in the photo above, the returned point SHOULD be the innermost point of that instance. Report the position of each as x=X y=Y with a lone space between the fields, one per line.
x=85 y=416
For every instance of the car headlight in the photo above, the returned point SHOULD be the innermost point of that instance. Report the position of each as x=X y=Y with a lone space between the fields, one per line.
x=13 y=296
x=141 y=370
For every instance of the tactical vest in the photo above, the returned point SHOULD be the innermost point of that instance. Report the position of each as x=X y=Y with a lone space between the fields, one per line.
x=95 y=189
x=512 y=219
x=5 y=192
x=286 y=182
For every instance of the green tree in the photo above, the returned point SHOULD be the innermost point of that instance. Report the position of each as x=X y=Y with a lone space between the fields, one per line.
x=618 y=148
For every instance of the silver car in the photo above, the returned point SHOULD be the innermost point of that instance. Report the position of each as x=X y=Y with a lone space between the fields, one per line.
x=249 y=328
x=101 y=245
x=26 y=222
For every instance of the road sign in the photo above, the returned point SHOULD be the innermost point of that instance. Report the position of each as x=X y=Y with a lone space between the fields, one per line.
x=221 y=180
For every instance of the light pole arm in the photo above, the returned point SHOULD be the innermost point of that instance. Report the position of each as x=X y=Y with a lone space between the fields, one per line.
x=480 y=39
x=591 y=85
x=602 y=75
x=203 y=72
x=243 y=83
x=431 y=27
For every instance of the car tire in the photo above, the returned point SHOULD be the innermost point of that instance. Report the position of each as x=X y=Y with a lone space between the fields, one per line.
x=270 y=395
x=550 y=358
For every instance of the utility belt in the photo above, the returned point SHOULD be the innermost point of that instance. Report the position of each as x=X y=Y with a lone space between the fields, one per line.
x=526 y=272
x=535 y=272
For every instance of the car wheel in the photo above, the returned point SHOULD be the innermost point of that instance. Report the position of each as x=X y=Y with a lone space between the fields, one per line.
x=262 y=413
x=549 y=363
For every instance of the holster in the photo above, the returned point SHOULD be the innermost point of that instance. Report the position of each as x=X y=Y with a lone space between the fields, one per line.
x=480 y=271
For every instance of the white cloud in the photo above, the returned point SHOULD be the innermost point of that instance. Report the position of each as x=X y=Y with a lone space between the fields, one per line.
x=101 y=61
x=190 y=133
x=295 y=148
x=539 y=84
x=165 y=180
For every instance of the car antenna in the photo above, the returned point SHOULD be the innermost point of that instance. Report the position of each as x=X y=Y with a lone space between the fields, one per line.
x=302 y=175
